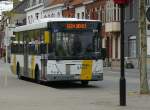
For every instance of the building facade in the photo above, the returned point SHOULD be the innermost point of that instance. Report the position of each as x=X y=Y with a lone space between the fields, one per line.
x=80 y=11
x=4 y=6
x=131 y=32
x=34 y=12
x=112 y=29
x=11 y=19
x=18 y=17
x=70 y=6
x=53 y=8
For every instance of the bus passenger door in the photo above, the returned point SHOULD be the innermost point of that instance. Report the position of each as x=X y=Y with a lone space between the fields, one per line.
x=25 y=51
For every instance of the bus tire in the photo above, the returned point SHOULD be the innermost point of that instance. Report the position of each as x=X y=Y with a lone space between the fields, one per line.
x=18 y=71
x=37 y=74
x=84 y=83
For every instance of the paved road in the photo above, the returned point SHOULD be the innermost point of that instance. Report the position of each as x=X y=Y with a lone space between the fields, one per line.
x=24 y=95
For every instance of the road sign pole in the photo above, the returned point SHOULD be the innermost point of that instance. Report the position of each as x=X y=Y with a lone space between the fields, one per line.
x=122 y=4
x=122 y=76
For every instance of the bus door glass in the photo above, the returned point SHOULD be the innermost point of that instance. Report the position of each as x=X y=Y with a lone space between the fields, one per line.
x=25 y=51
x=97 y=44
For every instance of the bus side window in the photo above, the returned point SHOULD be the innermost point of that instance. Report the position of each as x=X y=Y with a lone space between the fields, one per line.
x=43 y=48
x=15 y=51
x=12 y=48
x=50 y=48
x=21 y=48
x=32 y=48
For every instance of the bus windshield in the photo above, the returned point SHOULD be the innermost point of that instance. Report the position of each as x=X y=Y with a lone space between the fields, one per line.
x=76 y=44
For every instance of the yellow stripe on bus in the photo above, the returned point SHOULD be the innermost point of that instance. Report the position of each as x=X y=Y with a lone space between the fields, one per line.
x=46 y=37
x=86 y=70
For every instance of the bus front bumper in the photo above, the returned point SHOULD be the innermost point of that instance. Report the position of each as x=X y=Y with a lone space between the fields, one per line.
x=61 y=77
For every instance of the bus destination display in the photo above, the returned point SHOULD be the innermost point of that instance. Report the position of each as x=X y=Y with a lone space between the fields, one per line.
x=76 y=26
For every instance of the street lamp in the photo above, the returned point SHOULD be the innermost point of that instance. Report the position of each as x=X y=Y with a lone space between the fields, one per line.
x=122 y=4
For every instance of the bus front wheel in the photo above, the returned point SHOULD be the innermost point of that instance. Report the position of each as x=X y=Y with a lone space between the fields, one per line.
x=18 y=71
x=84 y=83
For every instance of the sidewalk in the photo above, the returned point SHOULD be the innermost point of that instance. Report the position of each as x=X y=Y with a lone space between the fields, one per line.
x=135 y=101
x=23 y=95
x=117 y=69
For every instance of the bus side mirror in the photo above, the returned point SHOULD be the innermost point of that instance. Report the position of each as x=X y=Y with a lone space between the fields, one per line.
x=103 y=53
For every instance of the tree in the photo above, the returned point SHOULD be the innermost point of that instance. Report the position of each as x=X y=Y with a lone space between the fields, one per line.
x=144 y=88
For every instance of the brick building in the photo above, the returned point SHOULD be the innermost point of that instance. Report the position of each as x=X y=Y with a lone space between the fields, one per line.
x=112 y=29
x=69 y=9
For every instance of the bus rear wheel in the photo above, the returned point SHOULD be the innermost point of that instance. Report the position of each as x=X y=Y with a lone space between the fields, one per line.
x=37 y=75
x=84 y=83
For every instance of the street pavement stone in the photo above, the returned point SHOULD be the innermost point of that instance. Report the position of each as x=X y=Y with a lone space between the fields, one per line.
x=25 y=95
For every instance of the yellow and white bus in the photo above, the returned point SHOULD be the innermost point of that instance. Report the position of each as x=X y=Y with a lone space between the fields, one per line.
x=58 y=49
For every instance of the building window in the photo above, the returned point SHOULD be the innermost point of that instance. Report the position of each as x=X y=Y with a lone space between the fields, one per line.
x=58 y=14
x=37 y=15
x=132 y=46
x=87 y=14
x=33 y=2
x=118 y=14
x=78 y=15
x=112 y=12
x=116 y=47
x=83 y=15
x=41 y=15
x=147 y=2
x=52 y=15
x=29 y=19
x=40 y=1
x=103 y=16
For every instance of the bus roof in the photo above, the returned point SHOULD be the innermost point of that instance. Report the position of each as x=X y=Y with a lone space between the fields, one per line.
x=42 y=23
